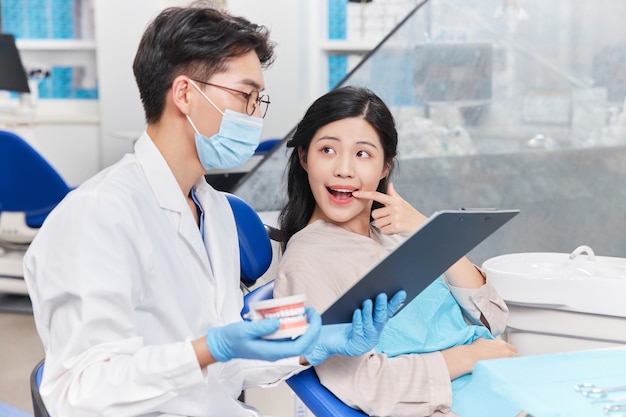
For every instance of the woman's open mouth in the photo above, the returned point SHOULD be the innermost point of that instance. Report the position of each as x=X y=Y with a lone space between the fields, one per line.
x=341 y=195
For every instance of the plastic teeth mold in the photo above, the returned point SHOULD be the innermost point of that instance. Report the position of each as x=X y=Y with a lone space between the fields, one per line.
x=290 y=312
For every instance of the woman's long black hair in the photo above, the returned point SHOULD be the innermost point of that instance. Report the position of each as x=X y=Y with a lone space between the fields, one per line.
x=338 y=104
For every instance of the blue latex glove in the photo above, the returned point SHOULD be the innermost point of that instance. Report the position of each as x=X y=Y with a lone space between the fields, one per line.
x=243 y=340
x=359 y=337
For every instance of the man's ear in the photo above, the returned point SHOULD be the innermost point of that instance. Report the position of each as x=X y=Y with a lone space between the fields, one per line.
x=302 y=158
x=180 y=93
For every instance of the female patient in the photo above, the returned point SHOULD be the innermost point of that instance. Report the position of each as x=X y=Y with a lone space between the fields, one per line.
x=342 y=217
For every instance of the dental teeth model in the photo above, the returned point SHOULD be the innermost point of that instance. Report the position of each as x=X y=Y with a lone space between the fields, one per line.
x=290 y=312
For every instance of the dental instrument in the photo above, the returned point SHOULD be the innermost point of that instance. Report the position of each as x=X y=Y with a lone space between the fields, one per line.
x=615 y=410
x=592 y=391
x=609 y=400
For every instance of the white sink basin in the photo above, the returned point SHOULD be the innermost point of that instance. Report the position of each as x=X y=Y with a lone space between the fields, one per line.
x=587 y=283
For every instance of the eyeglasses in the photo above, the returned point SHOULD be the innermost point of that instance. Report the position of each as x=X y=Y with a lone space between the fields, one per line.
x=254 y=99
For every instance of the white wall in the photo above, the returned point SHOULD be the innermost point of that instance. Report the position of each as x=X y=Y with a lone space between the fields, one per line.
x=119 y=26
x=290 y=80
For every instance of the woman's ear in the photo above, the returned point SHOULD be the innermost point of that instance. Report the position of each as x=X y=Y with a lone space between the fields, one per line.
x=302 y=158
x=387 y=168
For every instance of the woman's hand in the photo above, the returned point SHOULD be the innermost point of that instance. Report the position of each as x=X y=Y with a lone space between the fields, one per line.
x=397 y=215
x=462 y=359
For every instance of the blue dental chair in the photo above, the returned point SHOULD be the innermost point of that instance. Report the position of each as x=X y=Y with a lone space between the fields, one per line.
x=255 y=250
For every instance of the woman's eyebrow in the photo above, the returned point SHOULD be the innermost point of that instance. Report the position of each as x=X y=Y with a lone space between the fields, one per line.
x=360 y=142
x=368 y=143
x=321 y=138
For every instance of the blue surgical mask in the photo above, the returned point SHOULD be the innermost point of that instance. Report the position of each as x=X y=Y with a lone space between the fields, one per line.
x=234 y=143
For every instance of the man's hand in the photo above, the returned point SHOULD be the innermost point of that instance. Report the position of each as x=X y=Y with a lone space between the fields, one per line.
x=361 y=335
x=243 y=340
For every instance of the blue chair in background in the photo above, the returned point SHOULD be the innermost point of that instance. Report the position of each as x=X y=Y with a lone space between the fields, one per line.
x=267 y=145
x=255 y=250
x=29 y=189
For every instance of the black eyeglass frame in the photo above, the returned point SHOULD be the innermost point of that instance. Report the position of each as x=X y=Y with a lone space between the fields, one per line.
x=261 y=98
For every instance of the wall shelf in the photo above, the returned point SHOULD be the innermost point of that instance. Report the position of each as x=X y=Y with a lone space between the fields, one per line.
x=51 y=112
x=343 y=46
x=56 y=44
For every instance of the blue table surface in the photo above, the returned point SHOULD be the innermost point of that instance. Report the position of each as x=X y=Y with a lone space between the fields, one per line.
x=541 y=385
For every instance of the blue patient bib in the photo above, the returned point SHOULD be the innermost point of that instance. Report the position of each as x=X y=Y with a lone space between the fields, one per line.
x=432 y=321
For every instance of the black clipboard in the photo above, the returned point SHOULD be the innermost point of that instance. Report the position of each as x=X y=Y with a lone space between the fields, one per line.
x=445 y=238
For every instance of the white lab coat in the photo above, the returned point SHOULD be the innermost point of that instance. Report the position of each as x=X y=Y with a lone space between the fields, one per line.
x=121 y=283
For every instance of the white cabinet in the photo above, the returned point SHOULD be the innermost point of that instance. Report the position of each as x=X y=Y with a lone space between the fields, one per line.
x=536 y=330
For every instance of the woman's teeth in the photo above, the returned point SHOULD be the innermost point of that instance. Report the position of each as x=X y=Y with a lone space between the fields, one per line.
x=341 y=193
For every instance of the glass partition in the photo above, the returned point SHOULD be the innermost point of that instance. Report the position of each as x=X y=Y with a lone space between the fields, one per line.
x=503 y=104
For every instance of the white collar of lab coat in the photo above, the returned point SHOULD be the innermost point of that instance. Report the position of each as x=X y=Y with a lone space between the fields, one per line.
x=220 y=227
x=159 y=175
x=168 y=194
